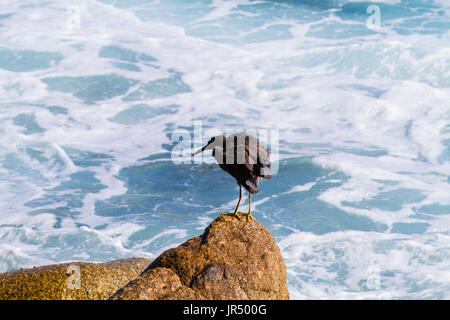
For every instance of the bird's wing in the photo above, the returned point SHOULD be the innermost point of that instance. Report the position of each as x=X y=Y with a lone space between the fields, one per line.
x=264 y=156
x=258 y=159
x=256 y=155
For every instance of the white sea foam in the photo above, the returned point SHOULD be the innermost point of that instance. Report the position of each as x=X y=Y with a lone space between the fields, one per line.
x=372 y=106
x=361 y=265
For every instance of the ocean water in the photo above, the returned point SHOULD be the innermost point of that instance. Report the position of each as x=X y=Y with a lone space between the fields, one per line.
x=92 y=93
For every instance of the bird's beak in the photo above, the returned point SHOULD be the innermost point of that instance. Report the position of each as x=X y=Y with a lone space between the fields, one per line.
x=199 y=150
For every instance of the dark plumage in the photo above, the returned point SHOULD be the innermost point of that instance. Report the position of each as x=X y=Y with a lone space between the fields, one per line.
x=244 y=158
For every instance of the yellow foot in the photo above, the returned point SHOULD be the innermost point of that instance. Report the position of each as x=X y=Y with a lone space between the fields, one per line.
x=249 y=215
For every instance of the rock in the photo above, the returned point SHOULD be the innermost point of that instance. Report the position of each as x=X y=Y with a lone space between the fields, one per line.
x=232 y=259
x=70 y=281
x=157 y=284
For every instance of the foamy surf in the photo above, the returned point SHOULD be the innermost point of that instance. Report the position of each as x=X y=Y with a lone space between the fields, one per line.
x=92 y=92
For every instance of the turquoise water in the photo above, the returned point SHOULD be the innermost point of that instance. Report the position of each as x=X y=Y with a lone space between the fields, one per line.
x=93 y=92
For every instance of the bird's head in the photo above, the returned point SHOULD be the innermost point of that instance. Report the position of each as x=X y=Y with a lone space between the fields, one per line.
x=217 y=141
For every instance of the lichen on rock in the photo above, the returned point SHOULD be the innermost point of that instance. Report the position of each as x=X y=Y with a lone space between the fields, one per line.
x=70 y=281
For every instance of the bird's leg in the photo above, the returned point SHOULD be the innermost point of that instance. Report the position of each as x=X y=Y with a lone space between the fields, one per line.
x=249 y=214
x=235 y=213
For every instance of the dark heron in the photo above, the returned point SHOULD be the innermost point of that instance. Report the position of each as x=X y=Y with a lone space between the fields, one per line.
x=243 y=157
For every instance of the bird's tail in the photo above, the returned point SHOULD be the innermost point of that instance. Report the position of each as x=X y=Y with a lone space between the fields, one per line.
x=251 y=185
x=263 y=173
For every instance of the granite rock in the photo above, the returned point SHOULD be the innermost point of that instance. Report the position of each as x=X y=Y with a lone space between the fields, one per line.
x=70 y=281
x=232 y=259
